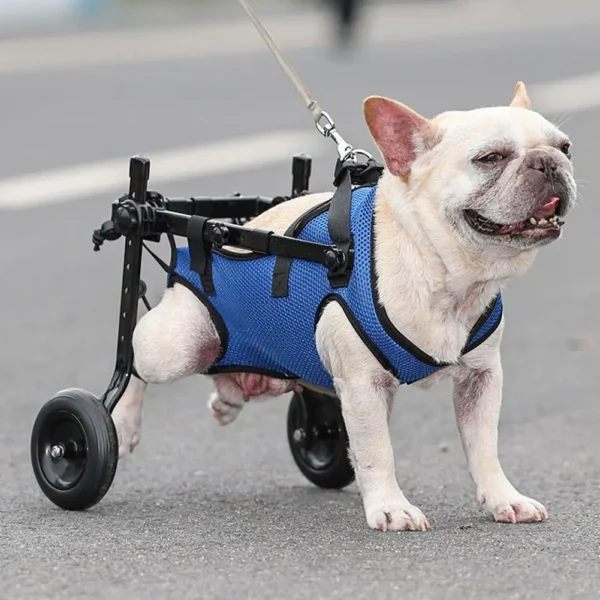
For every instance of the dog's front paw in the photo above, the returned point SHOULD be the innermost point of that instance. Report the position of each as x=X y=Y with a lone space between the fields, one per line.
x=513 y=508
x=395 y=515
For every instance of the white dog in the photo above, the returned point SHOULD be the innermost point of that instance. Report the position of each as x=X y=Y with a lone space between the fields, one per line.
x=464 y=204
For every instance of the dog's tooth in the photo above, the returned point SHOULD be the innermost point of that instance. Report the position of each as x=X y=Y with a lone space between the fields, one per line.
x=542 y=221
x=533 y=221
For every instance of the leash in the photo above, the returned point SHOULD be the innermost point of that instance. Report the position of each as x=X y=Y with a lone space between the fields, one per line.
x=323 y=121
x=348 y=172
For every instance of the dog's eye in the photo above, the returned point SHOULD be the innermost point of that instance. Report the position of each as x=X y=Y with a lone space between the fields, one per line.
x=491 y=158
x=566 y=149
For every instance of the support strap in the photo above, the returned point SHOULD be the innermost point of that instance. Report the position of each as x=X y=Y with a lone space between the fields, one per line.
x=338 y=225
x=281 y=271
x=200 y=252
x=339 y=231
x=346 y=175
x=163 y=265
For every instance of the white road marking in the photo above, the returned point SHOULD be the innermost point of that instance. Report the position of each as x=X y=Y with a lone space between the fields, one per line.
x=566 y=95
x=224 y=156
x=307 y=29
x=151 y=45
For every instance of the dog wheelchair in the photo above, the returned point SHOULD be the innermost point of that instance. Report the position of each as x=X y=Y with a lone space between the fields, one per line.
x=74 y=446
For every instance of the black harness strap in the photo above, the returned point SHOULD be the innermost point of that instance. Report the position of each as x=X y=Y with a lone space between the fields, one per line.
x=163 y=265
x=283 y=264
x=338 y=225
x=136 y=374
x=281 y=275
x=200 y=252
x=346 y=174
x=338 y=220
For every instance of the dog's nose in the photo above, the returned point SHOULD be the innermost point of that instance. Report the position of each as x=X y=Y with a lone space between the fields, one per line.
x=544 y=162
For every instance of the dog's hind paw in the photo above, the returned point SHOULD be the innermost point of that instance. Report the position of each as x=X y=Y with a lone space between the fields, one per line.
x=127 y=416
x=395 y=516
x=517 y=509
x=223 y=411
x=128 y=423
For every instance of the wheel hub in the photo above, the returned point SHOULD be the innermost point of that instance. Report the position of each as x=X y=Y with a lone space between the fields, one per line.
x=318 y=439
x=319 y=447
x=62 y=451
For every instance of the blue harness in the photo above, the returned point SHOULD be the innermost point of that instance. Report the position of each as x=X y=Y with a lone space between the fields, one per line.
x=263 y=332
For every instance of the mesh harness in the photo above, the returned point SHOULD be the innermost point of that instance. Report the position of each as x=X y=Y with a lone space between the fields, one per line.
x=266 y=307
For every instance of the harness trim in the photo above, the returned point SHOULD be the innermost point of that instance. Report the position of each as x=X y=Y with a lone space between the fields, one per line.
x=246 y=369
x=215 y=315
x=283 y=264
x=226 y=253
x=403 y=341
x=480 y=323
x=367 y=341
x=382 y=315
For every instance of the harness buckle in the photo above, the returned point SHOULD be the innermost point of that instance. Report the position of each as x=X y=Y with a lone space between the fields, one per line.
x=340 y=260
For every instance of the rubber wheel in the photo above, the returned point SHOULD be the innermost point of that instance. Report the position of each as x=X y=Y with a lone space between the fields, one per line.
x=318 y=439
x=74 y=449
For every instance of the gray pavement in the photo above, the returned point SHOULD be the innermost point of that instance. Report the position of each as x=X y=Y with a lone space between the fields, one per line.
x=205 y=512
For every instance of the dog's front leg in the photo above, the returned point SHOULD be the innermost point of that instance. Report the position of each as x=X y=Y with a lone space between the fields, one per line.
x=366 y=393
x=477 y=400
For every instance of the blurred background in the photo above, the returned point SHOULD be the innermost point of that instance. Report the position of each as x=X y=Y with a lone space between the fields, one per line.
x=200 y=511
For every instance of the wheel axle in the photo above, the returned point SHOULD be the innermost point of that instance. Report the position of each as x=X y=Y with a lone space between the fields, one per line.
x=299 y=436
x=57 y=451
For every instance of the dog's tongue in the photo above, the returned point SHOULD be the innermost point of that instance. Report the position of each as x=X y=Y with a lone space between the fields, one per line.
x=547 y=209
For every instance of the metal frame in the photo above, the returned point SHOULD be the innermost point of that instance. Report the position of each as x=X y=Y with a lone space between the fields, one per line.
x=144 y=216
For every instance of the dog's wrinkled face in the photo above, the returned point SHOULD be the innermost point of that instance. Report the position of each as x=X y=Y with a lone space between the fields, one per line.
x=499 y=176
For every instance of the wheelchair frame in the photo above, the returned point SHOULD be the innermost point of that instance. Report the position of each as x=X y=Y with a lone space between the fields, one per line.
x=74 y=446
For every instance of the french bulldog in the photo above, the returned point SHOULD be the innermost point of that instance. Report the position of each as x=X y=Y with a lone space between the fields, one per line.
x=465 y=202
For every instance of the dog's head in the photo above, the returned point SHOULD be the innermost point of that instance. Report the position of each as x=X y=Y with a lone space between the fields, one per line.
x=499 y=179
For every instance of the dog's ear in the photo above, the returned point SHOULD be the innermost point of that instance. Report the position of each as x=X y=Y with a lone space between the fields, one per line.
x=399 y=132
x=521 y=99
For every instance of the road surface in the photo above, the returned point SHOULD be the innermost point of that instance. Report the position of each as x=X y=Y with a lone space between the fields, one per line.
x=200 y=511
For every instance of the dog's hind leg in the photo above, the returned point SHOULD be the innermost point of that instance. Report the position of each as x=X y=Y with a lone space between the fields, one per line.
x=233 y=390
x=175 y=339
x=127 y=415
x=227 y=400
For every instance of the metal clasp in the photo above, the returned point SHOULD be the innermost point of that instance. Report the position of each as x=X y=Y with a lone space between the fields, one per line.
x=344 y=149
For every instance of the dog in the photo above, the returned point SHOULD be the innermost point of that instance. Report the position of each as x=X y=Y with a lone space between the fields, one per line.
x=465 y=202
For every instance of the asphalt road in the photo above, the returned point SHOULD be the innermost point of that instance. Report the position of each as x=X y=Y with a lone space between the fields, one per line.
x=200 y=511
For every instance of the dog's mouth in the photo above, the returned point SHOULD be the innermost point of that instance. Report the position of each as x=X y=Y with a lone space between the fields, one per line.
x=543 y=223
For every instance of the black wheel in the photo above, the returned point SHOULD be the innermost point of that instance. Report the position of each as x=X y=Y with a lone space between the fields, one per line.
x=318 y=439
x=74 y=449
